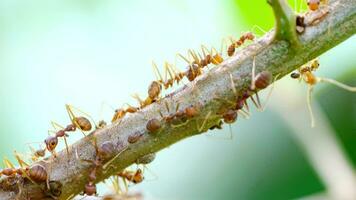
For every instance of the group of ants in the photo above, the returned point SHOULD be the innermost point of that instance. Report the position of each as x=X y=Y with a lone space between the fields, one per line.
x=197 y=62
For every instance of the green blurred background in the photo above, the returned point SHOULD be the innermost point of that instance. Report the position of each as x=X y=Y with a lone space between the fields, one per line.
x=86 y=52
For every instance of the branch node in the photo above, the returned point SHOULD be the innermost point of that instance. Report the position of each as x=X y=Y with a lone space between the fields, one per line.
x=285 y=22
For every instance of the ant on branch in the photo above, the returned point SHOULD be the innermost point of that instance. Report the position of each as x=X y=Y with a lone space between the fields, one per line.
x=314 y=5
x=35 y=173
x=104 y=156
x=237 y=43
x=306 y=73
x=82 y=123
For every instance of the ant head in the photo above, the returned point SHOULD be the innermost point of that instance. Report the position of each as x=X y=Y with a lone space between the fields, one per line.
x=313 y=4
x=51 y=142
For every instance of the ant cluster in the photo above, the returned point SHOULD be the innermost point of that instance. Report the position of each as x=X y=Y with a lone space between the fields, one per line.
x=197 y=62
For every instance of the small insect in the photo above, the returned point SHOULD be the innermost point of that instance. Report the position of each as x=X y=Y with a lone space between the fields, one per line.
x=306 y=73
x=103 y=153
x=80 y=122
x=153 y=125
x=194 y=69
x=170 y=70
x=236 y=44
x=230 y=116
x=191 y=111
x=37 y=154
x=132 y=176
x=258 y=82
x=37 y=173
x=134 y=137
x=146 y=159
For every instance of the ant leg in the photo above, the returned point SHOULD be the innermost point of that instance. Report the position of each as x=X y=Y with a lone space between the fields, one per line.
x=223 y=46
x=156 y=72
x=256 y=27
x=168 y=70
x=310 y=90
x=177 y=106
x=194 y=56
x=137 y=98
x=338 y=84
x=189 y=63
x=72 y=119
x=263 y=107
x=244 y=114
x=253 y=75
x=125 y=184
x=256 y=102
x=21 y=162
x=204 y=122
x=155 y=176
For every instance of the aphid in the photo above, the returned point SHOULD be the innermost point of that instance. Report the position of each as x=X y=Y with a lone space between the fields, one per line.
x=106 y=150
x=306 y=74
x=146 y=159
x=134 y=137
x=102 y=124
x=153 y=125
x=191 y=111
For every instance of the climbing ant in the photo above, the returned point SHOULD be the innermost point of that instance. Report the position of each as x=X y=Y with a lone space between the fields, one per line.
x=306 y=73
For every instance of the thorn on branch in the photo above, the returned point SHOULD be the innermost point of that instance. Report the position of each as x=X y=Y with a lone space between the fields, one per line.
x=285 y=22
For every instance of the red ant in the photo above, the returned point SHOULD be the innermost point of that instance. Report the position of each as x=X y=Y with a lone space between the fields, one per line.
x=236 y=44
x=36 y=173
x=305 y=73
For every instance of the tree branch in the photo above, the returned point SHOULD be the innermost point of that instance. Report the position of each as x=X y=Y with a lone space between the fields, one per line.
x=68 y=175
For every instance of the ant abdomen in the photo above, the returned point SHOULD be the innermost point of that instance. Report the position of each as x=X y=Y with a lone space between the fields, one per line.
x=37 y=173
x=83 y=123
x=90 y=189
x=263 y=79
